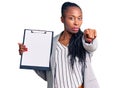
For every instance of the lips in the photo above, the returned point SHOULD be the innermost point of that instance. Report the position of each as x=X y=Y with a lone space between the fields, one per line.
x=75 y=28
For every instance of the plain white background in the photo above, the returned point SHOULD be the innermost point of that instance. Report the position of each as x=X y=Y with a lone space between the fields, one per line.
x=17 y=15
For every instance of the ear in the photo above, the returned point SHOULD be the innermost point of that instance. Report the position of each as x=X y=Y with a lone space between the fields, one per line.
x=62 y=19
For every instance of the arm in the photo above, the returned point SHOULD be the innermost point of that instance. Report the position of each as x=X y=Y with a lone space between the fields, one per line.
x=90 y=47
x=89 y=40
x=42 y=74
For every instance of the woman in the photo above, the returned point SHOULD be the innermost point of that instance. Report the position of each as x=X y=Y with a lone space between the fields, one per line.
x=71 y=53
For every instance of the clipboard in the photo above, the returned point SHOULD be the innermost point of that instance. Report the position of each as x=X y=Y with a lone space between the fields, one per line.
x=39 y=44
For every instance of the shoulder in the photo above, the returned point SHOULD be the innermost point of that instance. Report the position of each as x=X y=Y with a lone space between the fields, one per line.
x=56 y=37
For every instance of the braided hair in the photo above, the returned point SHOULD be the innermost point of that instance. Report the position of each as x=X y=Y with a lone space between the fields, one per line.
x=75 y=47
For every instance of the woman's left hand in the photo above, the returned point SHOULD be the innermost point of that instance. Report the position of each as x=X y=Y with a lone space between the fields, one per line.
x=89 y=35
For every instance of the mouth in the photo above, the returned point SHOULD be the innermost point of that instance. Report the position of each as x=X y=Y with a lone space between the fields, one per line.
x=75 y=28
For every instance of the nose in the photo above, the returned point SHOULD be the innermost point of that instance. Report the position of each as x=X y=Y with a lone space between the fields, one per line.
x=76 y=22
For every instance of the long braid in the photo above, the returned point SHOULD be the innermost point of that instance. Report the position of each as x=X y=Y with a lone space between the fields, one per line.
x=76 y=48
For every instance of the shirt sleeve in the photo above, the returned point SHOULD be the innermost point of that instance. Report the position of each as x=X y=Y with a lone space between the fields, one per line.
x=90 y=47
x=42 y=74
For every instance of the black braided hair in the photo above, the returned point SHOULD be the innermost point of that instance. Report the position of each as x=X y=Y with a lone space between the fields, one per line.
x=66 y=5
x=76 y=49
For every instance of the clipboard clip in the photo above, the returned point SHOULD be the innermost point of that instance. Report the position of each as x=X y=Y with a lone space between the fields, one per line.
x=39 y=31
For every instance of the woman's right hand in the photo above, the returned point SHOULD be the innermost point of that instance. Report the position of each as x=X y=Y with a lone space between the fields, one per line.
x=22 y=48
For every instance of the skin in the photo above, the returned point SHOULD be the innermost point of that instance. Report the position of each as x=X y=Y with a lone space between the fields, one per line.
x=72 y=21
x=81 y=86
x=22 y=48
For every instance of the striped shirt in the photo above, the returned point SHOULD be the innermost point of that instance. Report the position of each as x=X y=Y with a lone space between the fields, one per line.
x=65 y=76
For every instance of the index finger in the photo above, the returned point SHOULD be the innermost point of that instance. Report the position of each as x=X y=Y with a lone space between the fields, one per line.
x=86 y=33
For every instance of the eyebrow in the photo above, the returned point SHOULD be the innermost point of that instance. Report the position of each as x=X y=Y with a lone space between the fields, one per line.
x=74 y=16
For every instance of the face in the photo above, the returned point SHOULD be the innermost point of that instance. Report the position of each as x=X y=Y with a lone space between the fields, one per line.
x=72 y=19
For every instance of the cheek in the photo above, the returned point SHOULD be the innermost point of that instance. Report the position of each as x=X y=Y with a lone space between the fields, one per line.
x=69 y=23
x=80 y=23
x=68 y=26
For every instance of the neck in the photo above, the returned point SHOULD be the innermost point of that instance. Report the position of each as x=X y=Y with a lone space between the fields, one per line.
x=66 y=35
x=65 y=38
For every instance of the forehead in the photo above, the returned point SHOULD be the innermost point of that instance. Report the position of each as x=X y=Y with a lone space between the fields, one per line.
x=73 y=11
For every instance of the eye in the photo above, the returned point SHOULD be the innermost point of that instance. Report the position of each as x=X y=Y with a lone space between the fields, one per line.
x=71 y=18
x=80 y=18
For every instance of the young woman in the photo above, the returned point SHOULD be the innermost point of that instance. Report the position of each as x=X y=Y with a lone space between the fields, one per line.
x=71 y=53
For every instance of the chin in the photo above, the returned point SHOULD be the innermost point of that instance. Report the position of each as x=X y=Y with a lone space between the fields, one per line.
x=73 y=31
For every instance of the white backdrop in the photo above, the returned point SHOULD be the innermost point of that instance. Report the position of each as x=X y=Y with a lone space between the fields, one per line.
x=16 y=15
